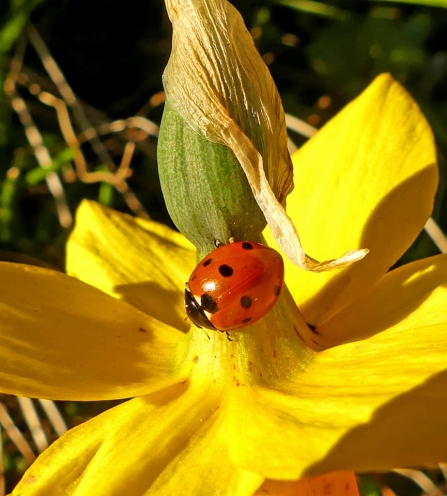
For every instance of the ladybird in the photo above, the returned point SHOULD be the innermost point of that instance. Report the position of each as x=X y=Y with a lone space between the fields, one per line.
x=234 y=286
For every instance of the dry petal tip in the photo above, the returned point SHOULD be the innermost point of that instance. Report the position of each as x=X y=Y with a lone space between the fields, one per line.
x=348 y=258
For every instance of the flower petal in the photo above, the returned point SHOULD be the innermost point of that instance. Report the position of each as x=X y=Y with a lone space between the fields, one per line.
x=332 y=424
x=403 y=302
x=366 y=180
x=63 y=339
x=170 y=442
x=138 y=261
x=370 y=405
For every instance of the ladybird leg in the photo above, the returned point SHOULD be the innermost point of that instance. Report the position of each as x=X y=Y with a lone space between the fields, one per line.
x=228 y=336
x=207 y=335
x=218 y=243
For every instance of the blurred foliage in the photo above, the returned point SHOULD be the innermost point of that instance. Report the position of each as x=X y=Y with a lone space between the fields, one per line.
x=321 y=55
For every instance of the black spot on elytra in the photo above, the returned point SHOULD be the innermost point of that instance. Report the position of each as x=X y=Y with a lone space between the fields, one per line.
x=225 y=270
x=247 y=246
x=245 y=321
x=246 y=301
x=207 y=303
x=207 y=262
x=276 y=290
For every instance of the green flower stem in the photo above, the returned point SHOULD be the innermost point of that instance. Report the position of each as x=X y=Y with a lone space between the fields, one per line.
x=206 y=192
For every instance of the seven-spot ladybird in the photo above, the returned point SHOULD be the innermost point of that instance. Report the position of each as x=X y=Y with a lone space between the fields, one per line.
x=234 y=286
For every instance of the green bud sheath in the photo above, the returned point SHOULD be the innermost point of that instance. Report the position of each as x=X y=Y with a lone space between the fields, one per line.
x=206 y=192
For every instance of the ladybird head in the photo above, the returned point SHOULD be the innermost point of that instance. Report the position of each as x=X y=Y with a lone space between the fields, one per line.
x=195 y=312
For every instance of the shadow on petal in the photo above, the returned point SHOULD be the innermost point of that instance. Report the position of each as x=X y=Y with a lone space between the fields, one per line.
x=381 y=235
x=408 y=431
x=170 y=442
x=63 y=339
x=325 y=428
x=410 y=296
x=162 y=304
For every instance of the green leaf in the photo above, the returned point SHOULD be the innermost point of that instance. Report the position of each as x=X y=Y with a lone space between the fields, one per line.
x=106 y=194
x=39 y=174
x=368 y=487
x=426 y=3
x=317 y=8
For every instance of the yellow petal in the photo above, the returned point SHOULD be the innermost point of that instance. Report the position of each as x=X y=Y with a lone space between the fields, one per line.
x=366 y=180
x=327 y=427
x=138 y=261
x=370 y=405
x=403 y=301
x=63 y=339
x=333 y=484
x=171 y=442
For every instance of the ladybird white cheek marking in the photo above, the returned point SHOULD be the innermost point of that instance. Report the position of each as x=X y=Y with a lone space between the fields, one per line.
x=208 y=315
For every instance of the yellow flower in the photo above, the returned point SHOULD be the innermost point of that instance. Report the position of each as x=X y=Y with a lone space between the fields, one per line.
x=210 y=416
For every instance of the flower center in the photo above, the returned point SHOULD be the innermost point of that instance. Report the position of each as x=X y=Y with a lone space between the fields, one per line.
x=270 y=352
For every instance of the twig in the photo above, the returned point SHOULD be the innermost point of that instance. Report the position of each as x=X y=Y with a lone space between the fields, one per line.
x=54 y=416
x=15 y=435
x=300 y=126
x=419 y=478
x=34 y=424
x=436 y=235
x=34 y=137
x=66 y=92
x=115 y=179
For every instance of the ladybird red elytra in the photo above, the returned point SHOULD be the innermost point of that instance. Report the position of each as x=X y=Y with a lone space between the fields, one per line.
x=234 y=286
